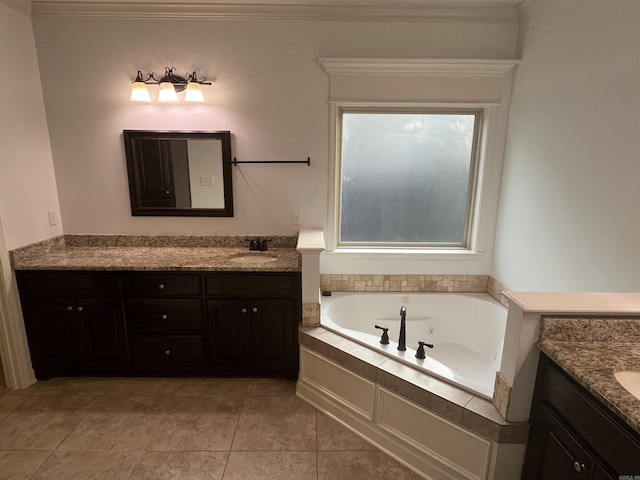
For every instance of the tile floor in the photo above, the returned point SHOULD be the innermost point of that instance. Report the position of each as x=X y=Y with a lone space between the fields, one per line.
x=187 y=429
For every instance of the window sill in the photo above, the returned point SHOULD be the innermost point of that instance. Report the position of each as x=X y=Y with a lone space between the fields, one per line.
x=411 y=254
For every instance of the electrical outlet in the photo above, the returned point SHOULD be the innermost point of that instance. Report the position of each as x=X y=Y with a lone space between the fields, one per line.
x=53 y=217
x=206 y=181
x=296 y=217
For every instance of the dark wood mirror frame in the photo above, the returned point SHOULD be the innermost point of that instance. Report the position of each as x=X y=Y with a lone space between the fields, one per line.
x=150 y=167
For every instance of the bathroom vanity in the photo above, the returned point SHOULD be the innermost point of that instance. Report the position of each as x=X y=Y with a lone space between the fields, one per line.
x=106 y=311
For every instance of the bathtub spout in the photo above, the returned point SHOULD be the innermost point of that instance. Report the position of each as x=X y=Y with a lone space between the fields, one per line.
x=402 y=341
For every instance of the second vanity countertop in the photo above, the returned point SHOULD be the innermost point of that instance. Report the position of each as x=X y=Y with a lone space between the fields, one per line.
x=129 y=253
x=591 y=351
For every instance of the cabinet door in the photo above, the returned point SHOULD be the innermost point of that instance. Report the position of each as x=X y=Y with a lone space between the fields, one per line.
x=102 y=337
x=229 y=335
x=53 y=332
x=554 y=452
x=154 y=170
x=274 y=332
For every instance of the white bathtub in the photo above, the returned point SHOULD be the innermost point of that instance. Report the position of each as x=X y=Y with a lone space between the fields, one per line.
x=466 y=329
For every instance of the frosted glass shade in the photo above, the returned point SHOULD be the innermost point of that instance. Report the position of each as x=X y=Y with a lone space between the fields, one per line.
x=194 y=93
x=139 y=92
x=167 y=93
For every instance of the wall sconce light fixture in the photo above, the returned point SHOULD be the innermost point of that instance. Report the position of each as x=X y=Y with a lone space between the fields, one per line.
x=169 y=85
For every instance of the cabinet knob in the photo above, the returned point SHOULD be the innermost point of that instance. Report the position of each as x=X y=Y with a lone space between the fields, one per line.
x=164 y=317
x=254 y=309
x=578 y=467
x=69 y=308
x=167 y=192
x=167 y=352
x=244 y=310
x=80 y=309
x=161 y=286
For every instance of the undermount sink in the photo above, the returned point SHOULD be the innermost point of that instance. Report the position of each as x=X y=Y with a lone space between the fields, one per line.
x=630 y=380
x=254 y=259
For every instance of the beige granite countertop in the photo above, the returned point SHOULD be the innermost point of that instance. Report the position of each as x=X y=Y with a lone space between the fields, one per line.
x=149 y=253
x=591 y=350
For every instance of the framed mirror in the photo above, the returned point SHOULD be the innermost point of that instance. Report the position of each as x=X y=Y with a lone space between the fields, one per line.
x=173 y=173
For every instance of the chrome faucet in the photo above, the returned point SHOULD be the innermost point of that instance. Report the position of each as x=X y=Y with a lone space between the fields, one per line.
x=402 y=341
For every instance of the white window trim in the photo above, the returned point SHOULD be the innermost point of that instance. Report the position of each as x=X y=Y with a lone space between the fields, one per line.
x=493 y=100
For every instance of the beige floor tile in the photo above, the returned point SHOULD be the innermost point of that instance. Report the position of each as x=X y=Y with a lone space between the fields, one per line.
x=21 y=464
x=180 y=465
x=276 y=423
x=197 y=423
x=359 y=466
x=213 y=387
x=143 y=386
x=69 y=386
x=88 y=466
x=42 y=423
x=271 y=466
x=118 y=423
x=334 y=436
x=264 y=387
x=9 y=403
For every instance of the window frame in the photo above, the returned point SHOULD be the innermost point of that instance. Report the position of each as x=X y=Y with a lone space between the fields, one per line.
x=469 y=243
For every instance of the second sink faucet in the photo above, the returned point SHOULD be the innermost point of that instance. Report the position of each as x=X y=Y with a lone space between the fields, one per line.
x=402 y=341
x=258 y=244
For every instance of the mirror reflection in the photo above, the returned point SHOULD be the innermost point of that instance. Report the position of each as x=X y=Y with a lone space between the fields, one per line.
x=179 y=173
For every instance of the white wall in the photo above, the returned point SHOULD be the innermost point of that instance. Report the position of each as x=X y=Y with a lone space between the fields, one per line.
x=570 y=201
x=268 y=90
x=27 y=180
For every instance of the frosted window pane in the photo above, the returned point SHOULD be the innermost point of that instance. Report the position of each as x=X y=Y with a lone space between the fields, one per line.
x=405 y=177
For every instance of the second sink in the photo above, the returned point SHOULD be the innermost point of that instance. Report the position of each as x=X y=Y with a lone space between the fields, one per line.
x=254 y=259
x=630 y=380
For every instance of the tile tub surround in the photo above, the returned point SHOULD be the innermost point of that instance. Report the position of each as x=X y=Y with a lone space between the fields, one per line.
x=403 y=283
x=152 y=428
x=591 y=350
x=152 y=253
x=448 y=401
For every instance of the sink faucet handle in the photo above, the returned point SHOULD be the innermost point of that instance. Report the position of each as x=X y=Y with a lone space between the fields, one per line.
x=384 y=340
x=263 y=245
x=420 y=352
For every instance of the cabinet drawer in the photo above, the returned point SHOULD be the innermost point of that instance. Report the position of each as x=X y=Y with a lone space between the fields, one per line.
x=69 y=284
x=254 y=286
x=165 y=316
x=162 y=284
x=167 y=353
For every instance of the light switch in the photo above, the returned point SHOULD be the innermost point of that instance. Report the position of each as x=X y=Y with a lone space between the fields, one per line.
x=206 y=181
x=53 y=217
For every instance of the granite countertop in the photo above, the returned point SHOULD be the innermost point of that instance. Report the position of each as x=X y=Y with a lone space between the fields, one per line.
x=591 y=350
x=153 y=253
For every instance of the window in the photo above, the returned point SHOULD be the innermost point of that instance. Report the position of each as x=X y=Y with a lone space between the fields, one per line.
x=406 y=177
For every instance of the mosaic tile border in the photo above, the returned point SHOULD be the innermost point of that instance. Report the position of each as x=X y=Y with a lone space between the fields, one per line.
x=403 y=283
x=495 y=289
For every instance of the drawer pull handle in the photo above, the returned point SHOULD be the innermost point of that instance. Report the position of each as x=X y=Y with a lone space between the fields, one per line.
x=80 y=309
x=244 y=310
x=69 y=309
x=167 y=352
x=161 y=286
x=164 y=317
x=254 y=309
x=578 y=467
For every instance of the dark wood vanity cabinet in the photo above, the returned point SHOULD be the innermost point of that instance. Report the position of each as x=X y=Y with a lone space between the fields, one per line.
x=75 y=323
x=573 y=436
x=162 y=323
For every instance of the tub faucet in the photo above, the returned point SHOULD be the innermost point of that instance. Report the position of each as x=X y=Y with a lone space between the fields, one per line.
x=402 y=341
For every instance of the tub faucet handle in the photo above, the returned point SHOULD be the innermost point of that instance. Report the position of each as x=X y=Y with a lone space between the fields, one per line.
x=420 y=352
x=384 y=340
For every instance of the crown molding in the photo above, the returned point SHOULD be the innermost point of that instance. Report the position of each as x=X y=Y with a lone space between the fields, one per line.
x=411 y=66
x=529 y=7
x=22 y=6
x=160 y=10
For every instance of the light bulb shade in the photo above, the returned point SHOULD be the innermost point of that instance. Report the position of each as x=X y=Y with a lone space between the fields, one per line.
x=194 y=93
x=139 y=92
x=167 y=93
